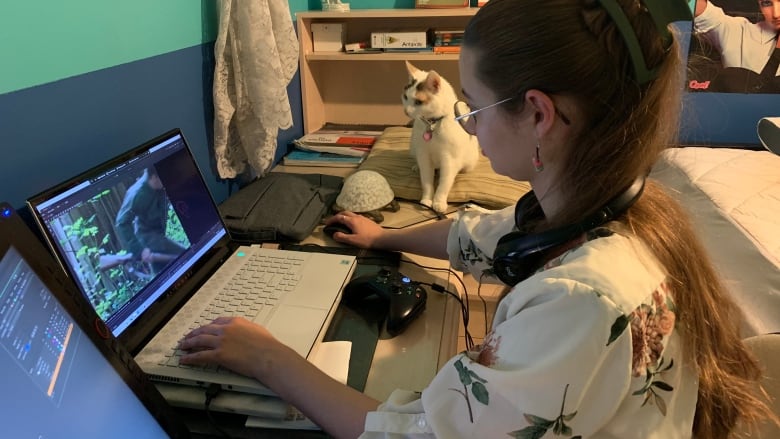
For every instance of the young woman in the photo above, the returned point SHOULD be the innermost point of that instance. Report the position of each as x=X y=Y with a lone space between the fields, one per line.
x=618 y=327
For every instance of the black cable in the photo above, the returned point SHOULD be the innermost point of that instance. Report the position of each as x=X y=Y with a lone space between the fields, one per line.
x=484 y=302
x=438 y=216
x=211 y=392
x=464 y=302
x=464 y=311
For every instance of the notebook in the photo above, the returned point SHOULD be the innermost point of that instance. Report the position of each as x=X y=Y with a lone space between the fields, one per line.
x=143 y=239
x=64 y=379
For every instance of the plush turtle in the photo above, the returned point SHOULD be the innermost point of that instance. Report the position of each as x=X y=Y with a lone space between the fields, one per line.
x=367 y=193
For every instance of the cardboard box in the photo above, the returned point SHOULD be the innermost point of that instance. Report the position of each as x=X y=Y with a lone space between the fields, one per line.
x=328 y=37
x=400 y=40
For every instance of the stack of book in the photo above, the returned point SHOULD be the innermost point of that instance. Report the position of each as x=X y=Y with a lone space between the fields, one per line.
x=447 y=40
x=333 y=148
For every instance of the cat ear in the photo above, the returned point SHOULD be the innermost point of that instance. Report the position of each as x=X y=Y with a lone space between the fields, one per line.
x=411 y=69
x=433 y=81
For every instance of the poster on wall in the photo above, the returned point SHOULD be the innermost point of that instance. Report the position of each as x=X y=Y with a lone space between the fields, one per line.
x=734 y=47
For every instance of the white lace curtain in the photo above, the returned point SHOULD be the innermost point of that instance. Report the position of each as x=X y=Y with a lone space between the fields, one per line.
x=256 y=57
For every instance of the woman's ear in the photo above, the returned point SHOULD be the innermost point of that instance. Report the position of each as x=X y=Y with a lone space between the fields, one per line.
x=544 y=111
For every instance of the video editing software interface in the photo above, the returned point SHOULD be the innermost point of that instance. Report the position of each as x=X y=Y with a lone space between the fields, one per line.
x=126 y=231
x=56 y=383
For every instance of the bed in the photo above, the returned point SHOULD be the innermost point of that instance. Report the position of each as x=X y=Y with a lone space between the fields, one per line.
x=733 y=196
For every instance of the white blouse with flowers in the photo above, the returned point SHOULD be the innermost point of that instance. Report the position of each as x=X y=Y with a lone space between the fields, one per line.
x=584 y=348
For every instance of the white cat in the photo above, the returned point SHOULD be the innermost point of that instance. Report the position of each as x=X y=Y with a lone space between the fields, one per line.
x=438 y=142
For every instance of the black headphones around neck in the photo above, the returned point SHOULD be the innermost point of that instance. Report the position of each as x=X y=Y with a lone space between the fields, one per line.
x=519 y=254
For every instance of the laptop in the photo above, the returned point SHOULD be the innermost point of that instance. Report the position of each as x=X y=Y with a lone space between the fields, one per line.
x=65 y=378
x=152 y=286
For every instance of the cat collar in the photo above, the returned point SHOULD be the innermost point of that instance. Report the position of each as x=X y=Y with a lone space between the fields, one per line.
x=430 y=126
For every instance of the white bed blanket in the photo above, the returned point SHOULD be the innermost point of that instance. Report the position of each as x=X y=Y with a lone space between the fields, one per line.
x=744 y=184
x=729 y=191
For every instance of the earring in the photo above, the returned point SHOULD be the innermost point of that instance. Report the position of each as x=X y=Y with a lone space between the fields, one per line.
x=538 y=165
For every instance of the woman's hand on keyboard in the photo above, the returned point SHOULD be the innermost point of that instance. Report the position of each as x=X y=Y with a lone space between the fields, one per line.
x=237 y=344
x=249 y=349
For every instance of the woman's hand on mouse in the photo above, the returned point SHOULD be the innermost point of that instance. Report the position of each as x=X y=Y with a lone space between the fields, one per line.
x=365 y=232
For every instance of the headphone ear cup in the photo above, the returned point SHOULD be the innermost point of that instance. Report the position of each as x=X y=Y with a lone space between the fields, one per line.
x=506 y=265
x=518 y=254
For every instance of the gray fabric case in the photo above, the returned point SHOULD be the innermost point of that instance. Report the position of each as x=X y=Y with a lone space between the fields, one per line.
x=280 y=206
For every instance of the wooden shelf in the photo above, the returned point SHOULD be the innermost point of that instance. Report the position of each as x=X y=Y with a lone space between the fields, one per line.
x=358 y=14
x=341 y=56
x=366 y=88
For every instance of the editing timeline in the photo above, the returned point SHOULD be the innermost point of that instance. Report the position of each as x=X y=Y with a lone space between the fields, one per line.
x=35 y=331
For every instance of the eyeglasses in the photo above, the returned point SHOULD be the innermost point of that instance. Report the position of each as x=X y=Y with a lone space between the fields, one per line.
x=467 y=118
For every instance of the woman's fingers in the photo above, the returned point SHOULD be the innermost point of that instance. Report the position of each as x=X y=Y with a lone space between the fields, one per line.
x=216 y=327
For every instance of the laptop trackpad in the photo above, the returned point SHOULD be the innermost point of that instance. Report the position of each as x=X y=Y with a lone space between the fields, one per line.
x=297 y=326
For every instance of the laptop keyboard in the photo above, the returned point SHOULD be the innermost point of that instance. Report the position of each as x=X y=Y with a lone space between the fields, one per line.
x=252 y=293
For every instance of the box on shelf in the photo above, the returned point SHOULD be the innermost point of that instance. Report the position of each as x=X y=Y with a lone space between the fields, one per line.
x=328 y=37
x=400 y=39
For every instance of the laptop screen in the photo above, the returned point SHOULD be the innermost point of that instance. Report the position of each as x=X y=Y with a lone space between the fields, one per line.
x=57 y=380
x=128 y=230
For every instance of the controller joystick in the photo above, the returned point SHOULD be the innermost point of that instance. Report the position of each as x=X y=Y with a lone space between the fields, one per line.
x=405 y=298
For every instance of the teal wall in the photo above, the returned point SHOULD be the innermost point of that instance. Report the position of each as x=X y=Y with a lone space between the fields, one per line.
x=45 y=41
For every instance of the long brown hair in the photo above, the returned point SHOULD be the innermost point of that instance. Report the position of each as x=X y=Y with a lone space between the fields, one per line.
x=572 y=48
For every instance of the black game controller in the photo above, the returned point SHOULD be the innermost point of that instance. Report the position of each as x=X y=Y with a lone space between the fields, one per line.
x=405 y=298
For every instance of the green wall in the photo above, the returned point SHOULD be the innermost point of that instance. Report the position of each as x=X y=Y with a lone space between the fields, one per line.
x=48 y=40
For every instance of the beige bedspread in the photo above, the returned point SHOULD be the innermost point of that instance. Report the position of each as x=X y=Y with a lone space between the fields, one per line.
x=733 y=196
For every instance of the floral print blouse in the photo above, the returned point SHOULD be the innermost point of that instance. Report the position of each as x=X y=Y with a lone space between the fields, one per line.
x=587 y=347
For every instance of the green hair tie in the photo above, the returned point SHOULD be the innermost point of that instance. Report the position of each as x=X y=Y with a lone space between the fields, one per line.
x=663 y=12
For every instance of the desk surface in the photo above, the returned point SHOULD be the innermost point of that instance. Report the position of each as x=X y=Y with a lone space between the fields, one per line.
x=429 y=342
x=435 y=337
x=426 y=344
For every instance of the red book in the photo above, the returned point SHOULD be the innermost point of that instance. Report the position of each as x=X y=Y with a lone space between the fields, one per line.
x=446 y=49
